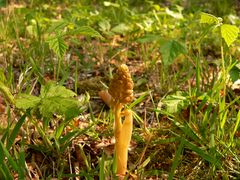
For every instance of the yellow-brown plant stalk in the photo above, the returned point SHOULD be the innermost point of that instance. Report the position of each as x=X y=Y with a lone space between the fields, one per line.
x=121 y=90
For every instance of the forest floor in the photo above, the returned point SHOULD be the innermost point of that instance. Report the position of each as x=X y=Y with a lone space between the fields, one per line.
x=55 y=61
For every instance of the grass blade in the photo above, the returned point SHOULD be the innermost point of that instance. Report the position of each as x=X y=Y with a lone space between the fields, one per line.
x=101 y=171
x=15 y=132
x=5 y=172
x=13 y=164
x=206 y=156
x=176 y=159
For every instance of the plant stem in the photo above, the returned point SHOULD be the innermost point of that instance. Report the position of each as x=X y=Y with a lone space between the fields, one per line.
x=123 y=133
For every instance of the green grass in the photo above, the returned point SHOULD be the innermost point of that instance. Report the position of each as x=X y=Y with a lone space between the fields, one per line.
x=56 y=56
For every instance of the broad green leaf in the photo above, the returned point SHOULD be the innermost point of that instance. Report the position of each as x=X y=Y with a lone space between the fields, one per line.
x=104 y=25
x=234 y=74
x=69 y=107
x=57 y=26
x=121 y=28
x=170 y=50
x=53 y=99
x=209 y=19
x=58 y=45
x=25 y=101
x=86 y=31
x=174 y=103
x=229 y=33
x=32 y=30
x=53 y=90
x=58 y=99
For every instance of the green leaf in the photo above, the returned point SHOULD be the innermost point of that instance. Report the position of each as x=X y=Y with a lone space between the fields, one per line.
x=148 y=38
x=170 y=50
x=25 y=101
x=104 y=25
x=121 y=28
x=177 y=159
x=58 y=99
x=108 y=3
x=69 y=107
x=21 y=163
x=58 y=45
x=10 y=159
x=67 y=139
x=85 y=30
x=2 y=76
x=209 y=19
x=53 y=90
x=57 y=26
x=53 y=99
x=102 y=167
x=32 y=30
x=176 y=15
x=235 y=73
x=3 y=3
x=15 y=132
x=174 y=103
x=203 y=153
x=229 y=33
x=5 y=172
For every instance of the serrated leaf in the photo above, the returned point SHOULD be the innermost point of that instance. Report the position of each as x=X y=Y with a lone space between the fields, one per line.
x=85 y=30
x=25 y=101
x=209 y=19
x=58 y=45
x=57 y=26
x=229 y=33
x=53 y=90
x=69 y=107
x=53 y=99
x=170 y=50
x=58 y=99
